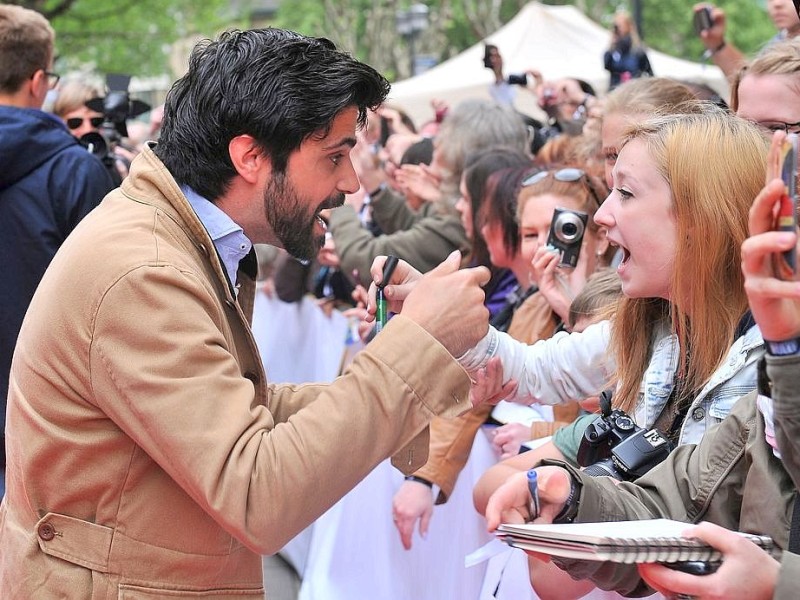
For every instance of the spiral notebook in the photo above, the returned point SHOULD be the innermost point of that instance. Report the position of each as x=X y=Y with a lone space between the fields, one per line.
x=654 y=540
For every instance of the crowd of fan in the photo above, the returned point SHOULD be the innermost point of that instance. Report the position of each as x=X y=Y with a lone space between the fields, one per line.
x=653 y=306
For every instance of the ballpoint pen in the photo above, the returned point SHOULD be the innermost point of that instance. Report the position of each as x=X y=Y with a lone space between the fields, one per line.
x=381 y=312
x=533 y=488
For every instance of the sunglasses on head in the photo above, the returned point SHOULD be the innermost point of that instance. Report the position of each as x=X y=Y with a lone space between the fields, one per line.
x=76 y=122
x=567 y=175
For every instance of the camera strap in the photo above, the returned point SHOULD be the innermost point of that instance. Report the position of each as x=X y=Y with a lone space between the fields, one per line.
x=605 y=402
x=794 y=531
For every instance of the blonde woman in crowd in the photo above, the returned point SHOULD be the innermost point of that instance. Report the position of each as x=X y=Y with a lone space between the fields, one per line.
x=683 y=347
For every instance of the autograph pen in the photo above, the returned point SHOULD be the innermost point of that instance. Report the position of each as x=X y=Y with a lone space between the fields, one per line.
x=533 y=487
x=381 y=312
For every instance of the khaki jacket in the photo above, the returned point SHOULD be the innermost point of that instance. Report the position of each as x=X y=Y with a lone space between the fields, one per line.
x=146 y=450
x=731 y=478
x=423 y=239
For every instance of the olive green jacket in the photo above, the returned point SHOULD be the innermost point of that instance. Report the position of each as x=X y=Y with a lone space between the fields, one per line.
x=730 y=478
x=423 y=239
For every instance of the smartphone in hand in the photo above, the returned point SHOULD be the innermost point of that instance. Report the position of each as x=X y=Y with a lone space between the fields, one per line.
x=695 y=567
x=786 y=262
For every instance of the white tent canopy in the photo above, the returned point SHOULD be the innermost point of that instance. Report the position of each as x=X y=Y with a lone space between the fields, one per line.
x=558 y=41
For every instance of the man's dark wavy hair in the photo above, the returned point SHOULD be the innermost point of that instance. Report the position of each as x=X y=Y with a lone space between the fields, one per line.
x=278 y=86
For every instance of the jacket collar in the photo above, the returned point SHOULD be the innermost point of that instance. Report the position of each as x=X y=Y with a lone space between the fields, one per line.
x=150 y=182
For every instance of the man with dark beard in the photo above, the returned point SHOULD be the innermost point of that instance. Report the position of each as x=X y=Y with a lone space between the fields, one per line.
x=147 y=454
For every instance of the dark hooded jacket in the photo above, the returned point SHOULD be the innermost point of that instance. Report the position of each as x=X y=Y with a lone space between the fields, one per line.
x=48 y=182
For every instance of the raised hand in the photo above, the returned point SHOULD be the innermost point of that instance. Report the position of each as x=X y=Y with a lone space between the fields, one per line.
x=419 y=180
x=446 y=301
x=714 y=36
x=775 y=303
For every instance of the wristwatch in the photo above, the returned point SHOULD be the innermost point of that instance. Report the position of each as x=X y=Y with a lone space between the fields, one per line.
x=570 y=510
x=784 y=348
x=419 y=480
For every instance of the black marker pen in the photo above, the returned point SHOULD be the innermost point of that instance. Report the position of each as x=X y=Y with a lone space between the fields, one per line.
x=381 y=312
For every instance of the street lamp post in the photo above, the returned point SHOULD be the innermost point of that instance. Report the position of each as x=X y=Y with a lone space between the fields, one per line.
x=410 y=23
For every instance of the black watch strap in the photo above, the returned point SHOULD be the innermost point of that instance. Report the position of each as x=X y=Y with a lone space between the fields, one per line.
x=419 y=480
x=570 y=510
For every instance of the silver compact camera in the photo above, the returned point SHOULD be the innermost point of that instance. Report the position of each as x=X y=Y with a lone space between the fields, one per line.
x=566 y=234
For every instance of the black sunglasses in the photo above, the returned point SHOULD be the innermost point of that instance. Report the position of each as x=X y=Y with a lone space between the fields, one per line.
x=76 y=122
x=567 y=175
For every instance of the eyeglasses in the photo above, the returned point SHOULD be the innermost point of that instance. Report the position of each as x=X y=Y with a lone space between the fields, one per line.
x=52 y=79
x=75 y=122
x=567 y=175
x=773 y=126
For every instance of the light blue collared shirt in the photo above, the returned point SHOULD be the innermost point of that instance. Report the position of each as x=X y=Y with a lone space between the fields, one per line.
x=229 y=239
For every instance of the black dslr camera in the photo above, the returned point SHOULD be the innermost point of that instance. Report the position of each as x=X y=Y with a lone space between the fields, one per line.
x=566 y=234
x=117 y=107
x=615 y=446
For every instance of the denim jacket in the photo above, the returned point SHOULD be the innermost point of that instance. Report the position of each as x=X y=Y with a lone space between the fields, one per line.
x=736 y=377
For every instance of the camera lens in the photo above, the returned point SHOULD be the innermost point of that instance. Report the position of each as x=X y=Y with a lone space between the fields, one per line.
x=604 y=468
x=568 y=228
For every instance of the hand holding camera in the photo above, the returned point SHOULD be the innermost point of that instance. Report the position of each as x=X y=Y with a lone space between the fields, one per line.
x=709 y=25
x=566 y=235
x=786 y=262
x=703 y=21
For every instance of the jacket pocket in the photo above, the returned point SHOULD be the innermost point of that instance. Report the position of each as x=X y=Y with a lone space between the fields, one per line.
x=722 y=403
x=137 y=592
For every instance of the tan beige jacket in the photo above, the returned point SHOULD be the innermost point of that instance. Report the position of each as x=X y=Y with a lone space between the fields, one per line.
x=147 y=454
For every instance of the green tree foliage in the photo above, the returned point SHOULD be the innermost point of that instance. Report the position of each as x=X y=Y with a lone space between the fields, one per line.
x=127 y=36
x=457 y=24
x=668 y=27
x=136 y=36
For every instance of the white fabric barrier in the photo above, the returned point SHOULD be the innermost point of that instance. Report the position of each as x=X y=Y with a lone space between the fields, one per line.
x=356 y=551
x=298 y=343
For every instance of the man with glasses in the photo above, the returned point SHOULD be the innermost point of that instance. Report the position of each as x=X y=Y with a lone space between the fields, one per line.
x=48 y=182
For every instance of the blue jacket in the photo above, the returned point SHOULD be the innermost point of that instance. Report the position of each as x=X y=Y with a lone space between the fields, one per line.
x=48 y=182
